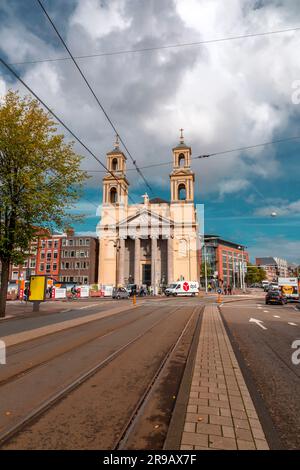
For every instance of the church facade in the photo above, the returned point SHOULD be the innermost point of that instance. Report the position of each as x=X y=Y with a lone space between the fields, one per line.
x=155 y=242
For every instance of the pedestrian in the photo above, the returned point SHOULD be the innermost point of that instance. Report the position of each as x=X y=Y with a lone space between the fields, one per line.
x=209 y=288
x=229 y=290
x=26 y=293
x=225 y=290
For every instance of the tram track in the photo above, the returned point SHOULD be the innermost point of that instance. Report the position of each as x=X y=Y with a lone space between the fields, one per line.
x=15 y=429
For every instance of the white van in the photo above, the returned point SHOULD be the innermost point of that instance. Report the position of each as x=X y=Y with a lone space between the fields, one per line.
x=183 y=288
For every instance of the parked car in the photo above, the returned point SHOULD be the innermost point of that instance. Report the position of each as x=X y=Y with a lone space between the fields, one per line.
x=275 y=297
x=120 y=293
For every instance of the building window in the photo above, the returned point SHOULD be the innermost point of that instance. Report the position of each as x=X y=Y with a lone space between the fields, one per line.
x=32 y=263
x=14 y=275
x=54 y=267
x=49 y=254
x=114 y=164
x=49 y=243
x=80 y=242
x=181 y=160
x=43 y=243
x=64 y=242
x=72 y=254
x=181 y=192
x=70 y=242
x=87 y=241
x=55 y=255
x=67 y=265
x=48 y=268
x=113 y=196
x=55 y=243
x=82 y=254
x=42 y=267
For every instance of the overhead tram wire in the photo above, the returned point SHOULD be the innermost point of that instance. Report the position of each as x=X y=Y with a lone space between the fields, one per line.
x=96 y=97
x=158 y=48
x=13 y=72
x=223 y=152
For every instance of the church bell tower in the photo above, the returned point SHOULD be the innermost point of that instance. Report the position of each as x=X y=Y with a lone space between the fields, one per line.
x=115 y=183
x=182 y=178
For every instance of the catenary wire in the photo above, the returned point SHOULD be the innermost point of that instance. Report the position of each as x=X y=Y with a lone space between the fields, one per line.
x=95 y=96
x=13 y=72
x=162 y=47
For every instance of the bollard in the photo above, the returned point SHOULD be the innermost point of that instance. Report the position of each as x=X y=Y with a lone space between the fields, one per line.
x=134 y=299
x=219 y=301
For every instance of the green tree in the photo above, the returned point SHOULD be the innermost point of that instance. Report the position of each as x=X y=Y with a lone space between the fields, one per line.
x=255 y=274
x=40 y=179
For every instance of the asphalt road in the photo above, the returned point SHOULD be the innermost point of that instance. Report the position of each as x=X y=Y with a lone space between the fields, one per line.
x=93 y=415
x=265 y=344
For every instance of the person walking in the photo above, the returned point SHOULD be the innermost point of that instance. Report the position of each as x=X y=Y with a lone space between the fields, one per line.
x=229 y=289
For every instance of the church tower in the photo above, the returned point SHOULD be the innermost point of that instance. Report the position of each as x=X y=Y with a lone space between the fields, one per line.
x=182 y=177
x=115 y=189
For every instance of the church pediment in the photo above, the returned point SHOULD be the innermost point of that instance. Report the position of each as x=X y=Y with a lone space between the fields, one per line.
x=145 y=217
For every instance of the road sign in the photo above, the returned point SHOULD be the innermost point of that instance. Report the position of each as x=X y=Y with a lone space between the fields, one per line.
x=37 y=288
x=219 y=291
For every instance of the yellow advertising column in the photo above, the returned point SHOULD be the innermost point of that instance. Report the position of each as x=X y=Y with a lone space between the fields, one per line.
x=37 y=291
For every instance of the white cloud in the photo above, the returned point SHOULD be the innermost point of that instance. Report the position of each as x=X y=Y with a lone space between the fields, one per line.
x=98 y=18
x=232 y=186
x=283 y=208
x=276 y=246
x=225 y=95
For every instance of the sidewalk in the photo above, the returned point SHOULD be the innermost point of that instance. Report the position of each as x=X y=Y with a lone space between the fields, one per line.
x=220 y=412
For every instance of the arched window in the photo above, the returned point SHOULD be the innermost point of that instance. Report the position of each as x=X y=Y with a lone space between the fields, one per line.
x=181 y=192
x=113 y=196
x=114 y=164
x=181 y=160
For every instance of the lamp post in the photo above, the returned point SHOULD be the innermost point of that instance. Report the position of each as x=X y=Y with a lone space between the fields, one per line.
x=242 y=270
x=117 y=247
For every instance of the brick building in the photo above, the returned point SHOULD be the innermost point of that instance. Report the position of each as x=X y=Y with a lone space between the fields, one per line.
x=226 y=261
x=79 y=259
x=274 y=267
x=48 y=255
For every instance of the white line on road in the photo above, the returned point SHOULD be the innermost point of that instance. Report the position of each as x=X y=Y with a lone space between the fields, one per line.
x=258 y=322
x=88 y=306
x=266 y=311
x=276 y=316
x=292 y=324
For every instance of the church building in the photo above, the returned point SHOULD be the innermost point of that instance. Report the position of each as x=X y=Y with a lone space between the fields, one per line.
x=155 y=242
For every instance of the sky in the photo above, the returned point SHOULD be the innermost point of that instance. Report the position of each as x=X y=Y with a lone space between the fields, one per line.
x=225 y=95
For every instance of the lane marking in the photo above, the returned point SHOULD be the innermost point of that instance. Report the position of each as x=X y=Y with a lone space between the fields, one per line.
x=87 y=306
x=292 y=324
x=276 y=316
x=266 y=311
x=258 y=322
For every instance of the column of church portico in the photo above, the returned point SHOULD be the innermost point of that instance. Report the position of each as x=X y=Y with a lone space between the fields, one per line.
x=170 y=260
x=121 y=261
x=137 y=261
x=154 y=267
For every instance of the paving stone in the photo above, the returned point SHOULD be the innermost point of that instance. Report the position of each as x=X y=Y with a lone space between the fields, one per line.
x=196 y=418
x=193 y=439
x=261 y=444
x=228 y=431
x=258 y=433
x=241 y=423
x=222 y=420
x=204 y=428
x=245 y=445
x=191 y=409
x=209 y=410
x=185 y=447
x=224 y=443
x=243 y=434
x=190 y=427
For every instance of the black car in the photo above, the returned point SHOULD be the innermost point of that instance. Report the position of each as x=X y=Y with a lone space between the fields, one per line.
x=275 y=297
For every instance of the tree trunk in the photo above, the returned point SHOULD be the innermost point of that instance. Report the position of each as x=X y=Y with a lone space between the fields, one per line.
x=3 y=287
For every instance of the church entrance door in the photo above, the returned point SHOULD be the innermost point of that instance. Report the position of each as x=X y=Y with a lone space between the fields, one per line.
x=146 y=274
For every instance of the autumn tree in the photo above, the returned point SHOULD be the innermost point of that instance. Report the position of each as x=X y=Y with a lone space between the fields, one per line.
x=40 y=179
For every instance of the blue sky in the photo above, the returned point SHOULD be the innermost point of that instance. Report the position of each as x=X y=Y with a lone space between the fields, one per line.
x=225 y=96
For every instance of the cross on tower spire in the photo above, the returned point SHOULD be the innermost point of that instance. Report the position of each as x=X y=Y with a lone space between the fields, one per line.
x=181 y=136
x=117 y=143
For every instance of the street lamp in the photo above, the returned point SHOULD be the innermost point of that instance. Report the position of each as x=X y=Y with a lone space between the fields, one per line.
x=242 y=269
